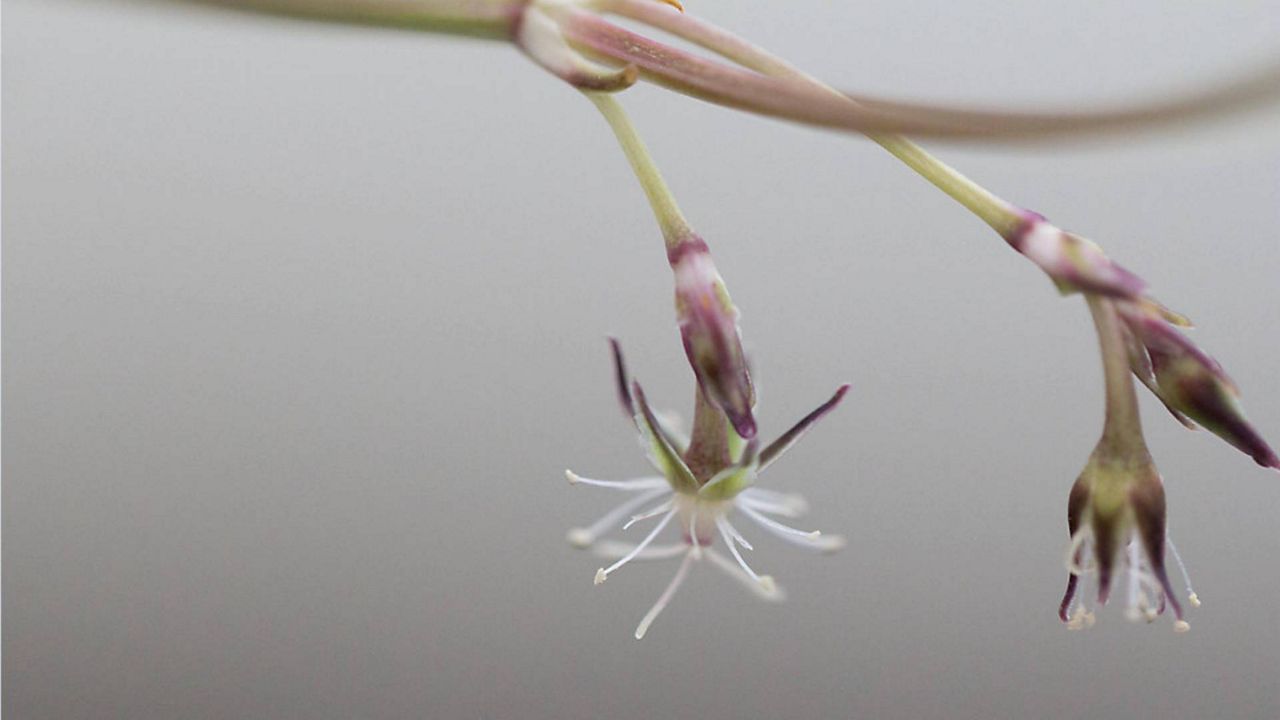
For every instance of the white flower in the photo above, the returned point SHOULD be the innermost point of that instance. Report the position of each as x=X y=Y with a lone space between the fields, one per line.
x=702 y=484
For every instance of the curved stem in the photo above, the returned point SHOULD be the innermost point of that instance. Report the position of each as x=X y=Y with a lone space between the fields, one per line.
x=675 y=229
x=1003 y=217
x=689 y=74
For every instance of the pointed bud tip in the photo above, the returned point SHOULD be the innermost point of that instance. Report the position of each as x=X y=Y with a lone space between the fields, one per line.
x=744 y=425
x=1271 y=462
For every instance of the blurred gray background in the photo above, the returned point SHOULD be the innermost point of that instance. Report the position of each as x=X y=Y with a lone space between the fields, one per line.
x=303 y=323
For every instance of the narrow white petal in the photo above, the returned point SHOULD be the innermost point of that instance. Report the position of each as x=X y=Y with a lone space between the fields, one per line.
x=725 y=533
x=582 y=537
x=1137 y=605
x=646 y=483
x=666 y=596
x=612 y=550
x=651 y=512
x=811 y=539
x=774 y=502
x=1078 y=548
x=734 y=532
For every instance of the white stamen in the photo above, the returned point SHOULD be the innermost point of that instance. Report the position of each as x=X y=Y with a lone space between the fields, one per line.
x=603 y=573
x=812 y=539
x=765 y=589
x=722 y=524
x=582 y=537
x=1181 y=626
x=651 y=512
x=666 y=596
x=612 y=550
x=646 y=483
x=734 y=532
x=1186 y=579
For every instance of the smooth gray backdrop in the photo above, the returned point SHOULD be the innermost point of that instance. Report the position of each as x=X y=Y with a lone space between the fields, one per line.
x=303 y=323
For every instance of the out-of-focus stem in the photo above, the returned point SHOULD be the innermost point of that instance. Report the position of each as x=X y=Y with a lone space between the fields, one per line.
x=1003 y=217
x=493 y=19
x=675 y=228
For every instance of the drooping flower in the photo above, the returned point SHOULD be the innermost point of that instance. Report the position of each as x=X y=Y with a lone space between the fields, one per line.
x=1116 y=511
x=707 y=318
x=701 y=484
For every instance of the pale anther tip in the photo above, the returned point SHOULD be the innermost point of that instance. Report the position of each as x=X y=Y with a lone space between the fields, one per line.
x=1181 y=626
x=1194 y=600
x=571 y=477
x=768 y=585
x=600 y=577
x=579 y=537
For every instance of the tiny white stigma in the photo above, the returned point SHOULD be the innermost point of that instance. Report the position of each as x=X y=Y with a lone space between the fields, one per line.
x=580 y=537
x=600 y=577
x=1181 y=626
x=1194 y=599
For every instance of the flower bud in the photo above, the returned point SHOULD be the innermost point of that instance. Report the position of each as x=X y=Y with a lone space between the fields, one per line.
x=1072 y=262
x=1194 y=385
x=709 y=328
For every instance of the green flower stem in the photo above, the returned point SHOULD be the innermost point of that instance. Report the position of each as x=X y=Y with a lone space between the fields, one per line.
x=492 y=19
x=709 y=450
x=675 y=229
x=1003 y=217
x=1123 y=427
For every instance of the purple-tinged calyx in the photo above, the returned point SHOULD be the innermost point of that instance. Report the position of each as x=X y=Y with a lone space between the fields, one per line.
x=1072 y=262
x=1117 y=518
x=1190 y=383
x=709 y=329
